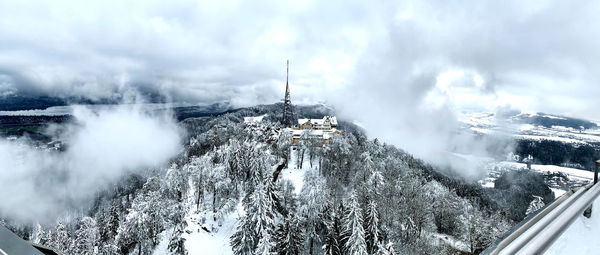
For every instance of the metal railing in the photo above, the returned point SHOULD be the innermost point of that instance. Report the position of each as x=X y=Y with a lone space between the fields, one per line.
x=539 y=232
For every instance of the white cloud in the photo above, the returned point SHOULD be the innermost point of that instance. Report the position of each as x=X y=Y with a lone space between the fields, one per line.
x=380 y=60
x=101 y=147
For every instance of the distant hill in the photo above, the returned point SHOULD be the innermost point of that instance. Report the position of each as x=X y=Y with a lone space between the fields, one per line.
x=17 y=103
x=549 y=120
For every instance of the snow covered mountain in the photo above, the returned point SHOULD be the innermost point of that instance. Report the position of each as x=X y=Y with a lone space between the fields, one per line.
x=243 y=189
x=351 y=194
x=532 y=126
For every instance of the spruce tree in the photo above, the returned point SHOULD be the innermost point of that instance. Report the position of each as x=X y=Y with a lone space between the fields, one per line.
x=255 y=224
x=372 y=227
x=265 y=246
x=60 y=239
x=262 y=211
x=87 y=236
x=385 y=249
x=177 y=242
x=288 y=237
x=333 y=237
x=101 y=220
x=243 y=241
x=112 y=220
x=353 y=226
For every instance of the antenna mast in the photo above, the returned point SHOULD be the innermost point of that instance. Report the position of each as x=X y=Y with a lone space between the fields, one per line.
x=287 y=102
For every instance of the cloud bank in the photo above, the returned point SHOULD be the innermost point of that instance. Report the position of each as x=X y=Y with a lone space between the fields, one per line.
x=402 y=68
x=41 y=185
x=538 y=55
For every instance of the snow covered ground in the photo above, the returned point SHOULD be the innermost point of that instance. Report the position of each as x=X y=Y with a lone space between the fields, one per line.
x=199 y=241
x=295 y=174
x=578 y=177
x=449 y=240
x=490 y=123
x=581 y=237
x=163 y=246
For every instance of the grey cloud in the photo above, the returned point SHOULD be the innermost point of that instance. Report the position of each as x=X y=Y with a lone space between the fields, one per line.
x=542 y=52
x=102 y=146
x=379 y=60
x=185 y=50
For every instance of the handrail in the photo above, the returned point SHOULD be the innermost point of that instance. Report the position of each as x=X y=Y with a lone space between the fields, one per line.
x=539 y=233
x=527 y=232
x=544 y=239
x=510 y=238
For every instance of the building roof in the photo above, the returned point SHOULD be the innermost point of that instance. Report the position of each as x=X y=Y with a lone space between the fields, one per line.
x=253 y=120
x=332 y=120
x=11 y=244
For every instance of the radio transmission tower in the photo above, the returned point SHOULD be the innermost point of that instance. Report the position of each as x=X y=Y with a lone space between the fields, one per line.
x=287 y=102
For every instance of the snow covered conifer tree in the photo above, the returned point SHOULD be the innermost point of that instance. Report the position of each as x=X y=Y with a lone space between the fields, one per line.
x=313 y=198
x=288 y=237
x=45 y=237
x=262 y=213
x=265 y=246
x=112 y=222
x=101 y=222
x=256 y=224
x=333 y=243
x=86 y=236
x=353 y=226
x=142 y=223
x=536 y=204
x=243 y=241
x=385 y=249
x=372 y=227
x=177 y=242
x=60 y=238
x=376 y=183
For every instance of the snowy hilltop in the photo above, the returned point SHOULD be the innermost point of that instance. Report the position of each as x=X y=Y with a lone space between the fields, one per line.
x=245 y=186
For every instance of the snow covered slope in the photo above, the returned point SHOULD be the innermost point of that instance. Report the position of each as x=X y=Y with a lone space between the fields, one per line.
x=576 y=177
x=581 y=237
x=200 y=241
x=532 y=126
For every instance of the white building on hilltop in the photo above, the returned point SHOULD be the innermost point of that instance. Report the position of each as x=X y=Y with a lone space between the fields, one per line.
x=252 y=121
x=326 y=123
x=317 y=130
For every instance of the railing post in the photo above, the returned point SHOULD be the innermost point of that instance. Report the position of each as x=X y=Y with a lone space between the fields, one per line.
x=588 y=212
x=596 y=171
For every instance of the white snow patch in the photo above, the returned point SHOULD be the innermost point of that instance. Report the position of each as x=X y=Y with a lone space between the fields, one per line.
x=570 y=172
x=163 y=246
x=489 y=184
x=199 y=241
x=554 y=117
x=549 y=138
x=581 y=237
x=558 y=192
x=526 y=127
x=296 y=176
x=450 y=240
x=253 y=120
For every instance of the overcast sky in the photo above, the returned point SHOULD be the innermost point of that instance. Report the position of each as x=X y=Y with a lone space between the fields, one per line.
x=432 y=55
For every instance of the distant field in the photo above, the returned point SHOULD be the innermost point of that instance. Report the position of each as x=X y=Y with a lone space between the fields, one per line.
x=31 y=126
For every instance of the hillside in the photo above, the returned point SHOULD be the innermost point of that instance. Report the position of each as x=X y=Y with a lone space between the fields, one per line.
x=238 y=189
